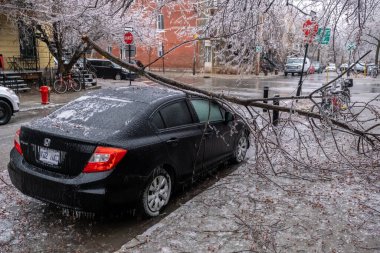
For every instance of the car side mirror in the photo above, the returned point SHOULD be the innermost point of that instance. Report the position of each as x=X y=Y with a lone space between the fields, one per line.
x=228 y=116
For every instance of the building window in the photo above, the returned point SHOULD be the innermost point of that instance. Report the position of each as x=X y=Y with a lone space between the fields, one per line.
x=28 y=49
x=109 y=49
x=160 y=22
x=160 y=49
x=124 y=51
x=207 y=54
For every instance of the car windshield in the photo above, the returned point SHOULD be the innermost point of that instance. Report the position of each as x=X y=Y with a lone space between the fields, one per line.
x=316 y=64
x=294 y=60
x=331 y=64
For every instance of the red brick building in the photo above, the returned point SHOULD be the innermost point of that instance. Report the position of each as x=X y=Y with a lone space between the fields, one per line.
x=166 y=26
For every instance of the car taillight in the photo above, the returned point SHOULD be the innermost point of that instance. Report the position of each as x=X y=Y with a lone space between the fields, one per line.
x=103 y=159
x=17 y=141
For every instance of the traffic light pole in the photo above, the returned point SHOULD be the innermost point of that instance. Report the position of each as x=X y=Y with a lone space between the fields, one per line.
x=129 y=61
x=299 y=89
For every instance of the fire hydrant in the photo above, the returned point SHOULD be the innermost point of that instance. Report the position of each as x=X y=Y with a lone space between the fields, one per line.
x=45 y=94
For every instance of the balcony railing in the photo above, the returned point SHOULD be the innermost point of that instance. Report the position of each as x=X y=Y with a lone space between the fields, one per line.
x=21 y=64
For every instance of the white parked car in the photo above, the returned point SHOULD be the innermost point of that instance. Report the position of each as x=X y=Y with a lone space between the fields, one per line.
x=9 y=104
x=294 y=65
x=331 y=67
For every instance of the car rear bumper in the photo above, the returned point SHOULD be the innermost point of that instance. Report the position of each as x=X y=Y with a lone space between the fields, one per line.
x=294 y=70
x=85 y=192
x=132 y=75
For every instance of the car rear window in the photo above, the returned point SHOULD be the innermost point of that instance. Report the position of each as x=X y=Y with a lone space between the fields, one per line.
x=99 y=112
x=157 y=121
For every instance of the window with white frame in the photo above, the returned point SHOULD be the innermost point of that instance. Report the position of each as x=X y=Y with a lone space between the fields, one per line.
x=160 y=49
x=123 y=53
x=160 y=22
x=109 y=49
x=208 y=54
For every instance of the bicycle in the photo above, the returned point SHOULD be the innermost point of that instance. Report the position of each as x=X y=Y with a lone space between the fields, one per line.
x=64 y=83
x=334 y=103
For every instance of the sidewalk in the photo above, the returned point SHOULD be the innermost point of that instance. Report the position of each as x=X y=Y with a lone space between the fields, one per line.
x=31 y=100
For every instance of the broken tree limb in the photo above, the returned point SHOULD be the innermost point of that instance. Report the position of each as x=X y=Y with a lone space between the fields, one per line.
x=244 y=102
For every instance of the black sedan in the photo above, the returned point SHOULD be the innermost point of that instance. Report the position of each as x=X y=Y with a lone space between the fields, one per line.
x=129 y=146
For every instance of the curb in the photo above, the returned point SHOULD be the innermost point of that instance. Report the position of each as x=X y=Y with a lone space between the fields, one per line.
x=49 y=106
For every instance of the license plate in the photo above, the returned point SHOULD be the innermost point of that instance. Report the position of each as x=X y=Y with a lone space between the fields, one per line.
x=49 y=156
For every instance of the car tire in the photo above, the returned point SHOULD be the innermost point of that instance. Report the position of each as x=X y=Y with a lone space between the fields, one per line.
x=241 y=148
x=286 y=73
x=292 y=74
x=5 y=112
x=156 y=193
x=118 y=76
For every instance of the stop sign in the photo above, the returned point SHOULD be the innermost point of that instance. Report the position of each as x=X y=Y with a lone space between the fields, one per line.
x=310 y=29
x=128 y=38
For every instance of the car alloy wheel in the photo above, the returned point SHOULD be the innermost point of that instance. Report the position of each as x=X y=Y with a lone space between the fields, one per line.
x=157 y=192
x=241 y=148
x=117 y=77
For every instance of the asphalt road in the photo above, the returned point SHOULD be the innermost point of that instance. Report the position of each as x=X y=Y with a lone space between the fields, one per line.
x=45 y=228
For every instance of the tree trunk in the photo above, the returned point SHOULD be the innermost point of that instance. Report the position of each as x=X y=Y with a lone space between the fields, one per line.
x=377 y=53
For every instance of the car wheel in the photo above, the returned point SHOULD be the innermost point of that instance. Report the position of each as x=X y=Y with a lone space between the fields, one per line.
x=117 y=76
x=286 y=73
x=292 y=74
x=157 y=192
x=5 y=112
x=241 y=148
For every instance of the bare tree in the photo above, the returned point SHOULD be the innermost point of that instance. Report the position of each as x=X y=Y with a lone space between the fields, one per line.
x=60 y=24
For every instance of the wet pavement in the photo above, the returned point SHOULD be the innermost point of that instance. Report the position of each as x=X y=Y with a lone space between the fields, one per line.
x=252 y=87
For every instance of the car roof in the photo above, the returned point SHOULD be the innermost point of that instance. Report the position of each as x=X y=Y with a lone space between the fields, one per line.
x=142 y=94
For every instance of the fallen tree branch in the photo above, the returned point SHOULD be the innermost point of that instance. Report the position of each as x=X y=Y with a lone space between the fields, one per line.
x=245 y=102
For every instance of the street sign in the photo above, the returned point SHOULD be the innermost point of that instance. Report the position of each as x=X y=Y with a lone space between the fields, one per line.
x=128 y=29
x=128 y=38
x=351 y=46
x=259 y=49
x=323 y=36
x=310 y=29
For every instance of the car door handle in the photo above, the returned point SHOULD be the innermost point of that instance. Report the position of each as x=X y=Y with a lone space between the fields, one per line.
x=173 y=141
